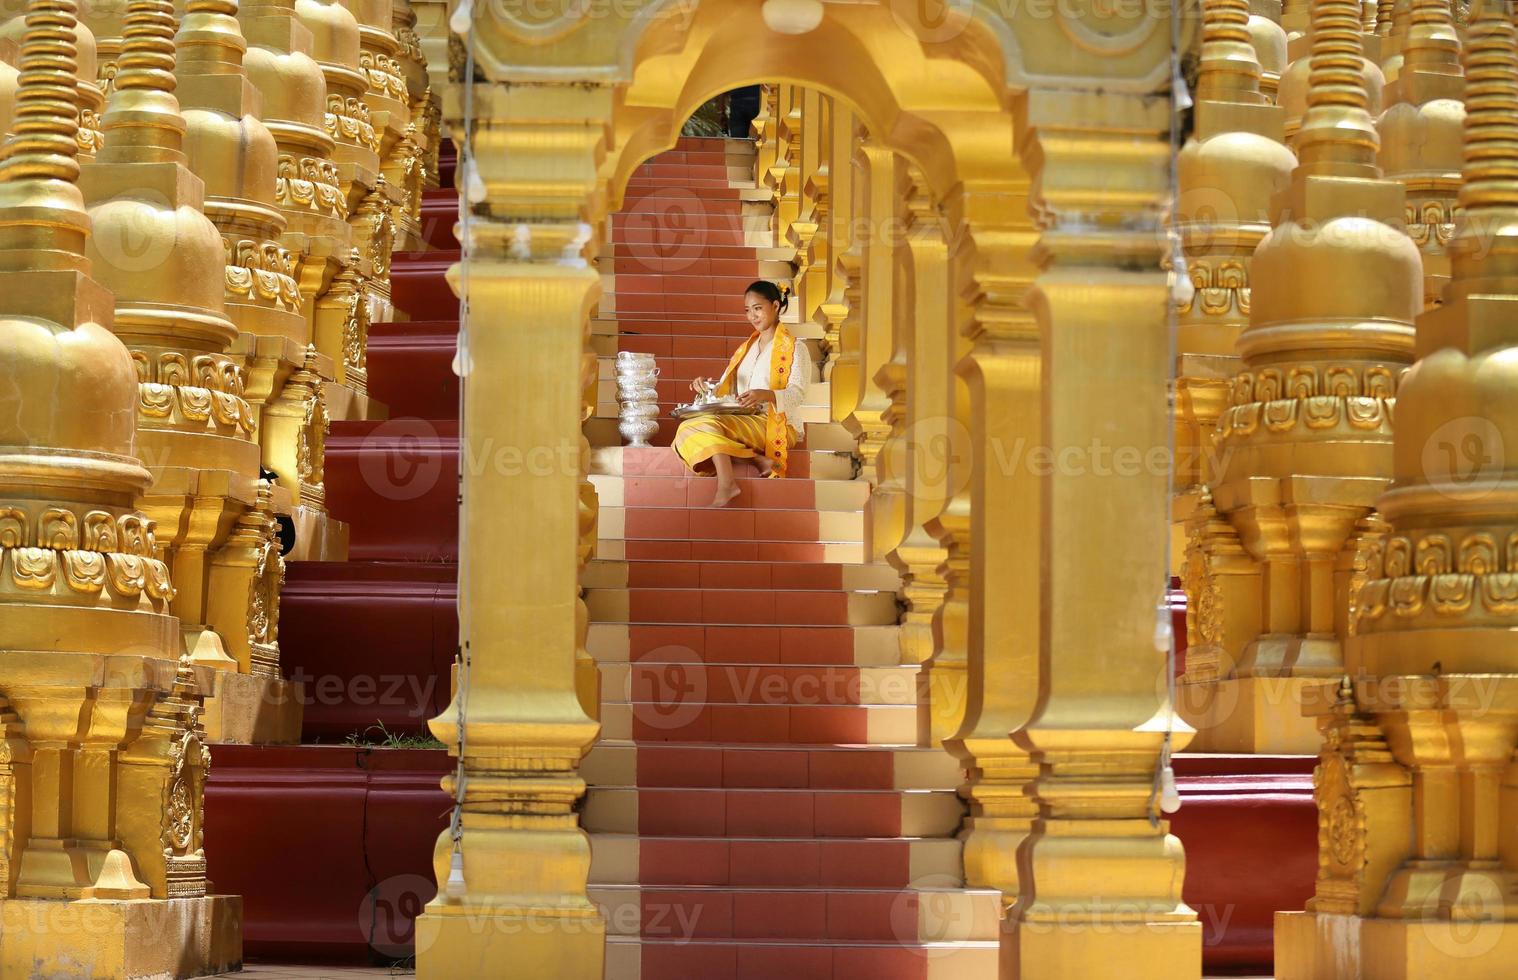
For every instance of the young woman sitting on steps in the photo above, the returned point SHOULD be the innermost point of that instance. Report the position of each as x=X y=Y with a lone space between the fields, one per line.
x=770 y=370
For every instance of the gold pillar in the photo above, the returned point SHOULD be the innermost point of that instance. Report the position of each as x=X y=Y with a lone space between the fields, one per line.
x=517 y=722
x=1099 y=875
x=837 y=238
x=103 y=762
x=942 y=683
x=921 y=440
x=1420 y=135
x=1002 y=586
x=1230 y=170
x=1415 y=787
x=876 y=194
x=812 y=181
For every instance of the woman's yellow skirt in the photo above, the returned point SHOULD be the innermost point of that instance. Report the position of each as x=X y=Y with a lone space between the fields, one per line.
x=740 y=436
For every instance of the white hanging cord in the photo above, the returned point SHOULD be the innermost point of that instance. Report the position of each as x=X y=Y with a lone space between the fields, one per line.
x=1164 y=796
x=454 y=888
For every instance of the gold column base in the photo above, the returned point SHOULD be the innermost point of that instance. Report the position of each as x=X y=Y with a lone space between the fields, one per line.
x=114 y=940
x=250 y=710
x=1146 y=950
x=1311 y=946
x=347 y=404
x=474 y=941
x=1255 y=715
x=317 y=536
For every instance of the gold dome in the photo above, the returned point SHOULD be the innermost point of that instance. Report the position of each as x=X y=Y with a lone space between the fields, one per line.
x=1233 y=176
x=238 y=158
x=167 y=269
x=334 y=31
x=1422 y=139
x=1346 y=268
x=1269 y=41
x=1292 y=95
x=292 y=85
x=1451 y=403
x=67 y=390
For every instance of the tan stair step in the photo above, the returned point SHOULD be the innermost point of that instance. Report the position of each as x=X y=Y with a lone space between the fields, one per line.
x=767 y=813
x=742 y=607
x=879 y=862
x=606 y=573
x=840 y=552
x=907 y=915
x=626 y=957
x=861 y=646
x=721 y=524
x=680 y=719
x=671 y=682
x=614 y=762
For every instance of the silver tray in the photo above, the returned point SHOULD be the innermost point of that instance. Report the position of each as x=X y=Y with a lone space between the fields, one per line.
x=716 y=408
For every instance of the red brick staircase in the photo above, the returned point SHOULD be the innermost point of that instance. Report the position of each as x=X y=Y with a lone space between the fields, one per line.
x=757 y=805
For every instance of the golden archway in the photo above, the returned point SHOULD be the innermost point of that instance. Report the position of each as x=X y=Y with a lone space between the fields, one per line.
x=1046 y=289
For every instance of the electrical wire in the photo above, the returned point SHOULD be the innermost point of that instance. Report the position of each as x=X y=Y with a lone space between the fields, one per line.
x=1162 y=794
x=460 y=24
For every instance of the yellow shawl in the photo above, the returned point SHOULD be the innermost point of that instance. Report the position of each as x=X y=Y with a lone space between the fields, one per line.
x=782 y=356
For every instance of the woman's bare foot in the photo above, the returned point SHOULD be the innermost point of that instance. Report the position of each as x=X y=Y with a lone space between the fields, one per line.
x=724 y=494
x=763 y=465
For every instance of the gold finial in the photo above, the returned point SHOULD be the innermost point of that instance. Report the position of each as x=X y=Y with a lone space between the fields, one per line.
x=142 y=123
x=43 y=222
x=47 y=101
x=1229 y=69
x=1432 y=44
x=1491 y=113
x=1338 y=135
x=210 y=37
x=1384 y=10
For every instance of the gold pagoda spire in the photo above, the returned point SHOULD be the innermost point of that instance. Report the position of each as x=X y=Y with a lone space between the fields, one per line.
x=1420 y=134
x=142 y=122
x=1338 y=136
x=43 y=223
x=1489 y=195
x=1434 y=621
x=1229 y=69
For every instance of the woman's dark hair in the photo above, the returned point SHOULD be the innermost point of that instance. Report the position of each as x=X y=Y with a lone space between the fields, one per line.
x=771 y=292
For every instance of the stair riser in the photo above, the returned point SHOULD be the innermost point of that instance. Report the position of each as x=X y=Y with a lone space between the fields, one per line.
x=396 y=485
x=716 y=862
x=658 y=766
x=771 y=813
x=677 y=719
x=647 y=685
x=628 y=959
x=414 y=377
x=368 y=649
x=872 y=646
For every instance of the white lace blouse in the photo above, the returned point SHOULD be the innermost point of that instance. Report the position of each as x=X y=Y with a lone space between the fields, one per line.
x=754 y=373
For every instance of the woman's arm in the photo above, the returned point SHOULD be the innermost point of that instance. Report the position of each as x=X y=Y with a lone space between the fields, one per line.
x=793 y=397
